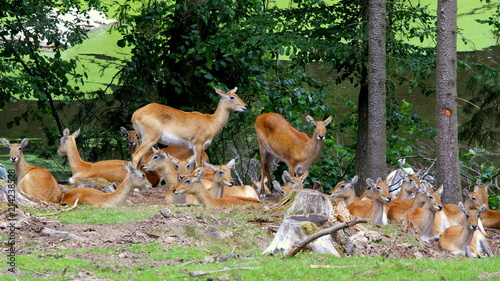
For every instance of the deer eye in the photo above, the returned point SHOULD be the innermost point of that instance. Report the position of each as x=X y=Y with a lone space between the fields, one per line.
x=155 y=157
x=232 y=97
x=187 y=181
x=177 y=167
x=342 y=186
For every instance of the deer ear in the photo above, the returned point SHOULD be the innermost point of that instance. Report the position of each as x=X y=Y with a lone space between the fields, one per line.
x=370 y=182
x=66 y=132
x=231 y=164
x=76 y=133
x=310 y=120
x=328 y=120
x=124 y=131
x=354 y=180
x=24 y=143
x=6 y=143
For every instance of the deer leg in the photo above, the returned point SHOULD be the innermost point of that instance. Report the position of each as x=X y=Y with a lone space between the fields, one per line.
x=141 y=151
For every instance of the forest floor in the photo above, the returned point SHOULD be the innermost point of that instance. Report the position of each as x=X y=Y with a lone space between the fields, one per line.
x=200 y=226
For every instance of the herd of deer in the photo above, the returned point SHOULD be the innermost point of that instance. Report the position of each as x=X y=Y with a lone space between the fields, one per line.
x=189 y=177
x=458 y=228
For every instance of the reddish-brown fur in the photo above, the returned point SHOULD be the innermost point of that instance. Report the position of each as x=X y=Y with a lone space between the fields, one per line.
x=192 y=185
x=110 y=170
x=278 y=139
x=157 y=123
x=97 y=198
x=33 y=180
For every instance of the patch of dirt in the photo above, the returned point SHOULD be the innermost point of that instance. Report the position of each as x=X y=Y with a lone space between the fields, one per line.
x=194 y=228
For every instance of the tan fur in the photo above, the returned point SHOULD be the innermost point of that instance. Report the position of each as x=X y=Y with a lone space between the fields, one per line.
x=456 y=239
x=379 y=196
x=33 y=180
x=223 y=185
x=110 y=170
x=97 y=198
x=292 y=182
x=278 y=139
x=490 y=218
x=132 y=139
x=192 y=185
x=423 y=219
x=402 y=208
x=157 y=123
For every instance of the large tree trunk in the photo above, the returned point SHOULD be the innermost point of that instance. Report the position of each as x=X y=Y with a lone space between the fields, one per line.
x=376 y=90
x=448 y=173
x=370 y=151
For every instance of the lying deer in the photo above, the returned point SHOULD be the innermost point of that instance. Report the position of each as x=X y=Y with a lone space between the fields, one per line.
x=456 y=239
x=192 y=184
x=223 y=188
x=33 y=180
x=97 y=198
x=110 y=170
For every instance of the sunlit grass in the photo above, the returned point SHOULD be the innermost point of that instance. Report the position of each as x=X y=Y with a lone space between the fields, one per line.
x=94 y=215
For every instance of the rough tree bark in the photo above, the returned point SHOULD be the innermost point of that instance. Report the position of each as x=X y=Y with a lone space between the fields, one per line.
x=448 y=173
x=376 y=164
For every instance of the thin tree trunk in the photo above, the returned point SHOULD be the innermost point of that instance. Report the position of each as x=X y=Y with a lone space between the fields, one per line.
x=376 y=166
x=448 y=173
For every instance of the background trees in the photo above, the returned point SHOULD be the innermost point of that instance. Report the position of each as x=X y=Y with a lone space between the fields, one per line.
x=180 y=50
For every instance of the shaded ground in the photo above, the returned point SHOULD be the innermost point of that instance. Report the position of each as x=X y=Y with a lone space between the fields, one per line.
x=194 y=227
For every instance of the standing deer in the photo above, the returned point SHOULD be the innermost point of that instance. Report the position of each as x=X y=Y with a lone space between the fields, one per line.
x=132 y=139
x=456 y=239
x=97 y=198
x=157 y=123
x=278 y=139
x=110 y=170
x=32 y=180
x=191 y=184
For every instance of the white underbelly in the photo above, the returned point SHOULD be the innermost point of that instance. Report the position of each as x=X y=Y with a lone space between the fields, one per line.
x=173 y=140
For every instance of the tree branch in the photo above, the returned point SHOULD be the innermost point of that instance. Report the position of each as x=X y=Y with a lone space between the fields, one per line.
x=296 y=249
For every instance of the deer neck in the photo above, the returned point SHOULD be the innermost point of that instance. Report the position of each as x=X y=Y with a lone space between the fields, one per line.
x=350 y=198
x=405 y=192
x=21 y=167
x=311 y=152
x=217 y=187
x=169 y=174
x=376 y=214
x=220 y=117
x=122 y=192
x=76 y=162
x=203 y=195
x=428 y=217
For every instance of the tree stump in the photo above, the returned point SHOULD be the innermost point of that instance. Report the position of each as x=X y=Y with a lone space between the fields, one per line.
x=306 y=201
x=305 y=212
x=295 y=229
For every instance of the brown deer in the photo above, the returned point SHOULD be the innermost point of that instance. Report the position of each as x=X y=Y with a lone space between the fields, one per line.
x=32 y=180
x=97 y=198
x=456 y=239
x=423 y=219
x=278 y=139
x=191 y=184
x=157 y=123
x=110 y=170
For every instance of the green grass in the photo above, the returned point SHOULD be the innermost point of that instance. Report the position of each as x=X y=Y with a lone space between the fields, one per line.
x=88 y=214
x=156 y=263
x=164 y=261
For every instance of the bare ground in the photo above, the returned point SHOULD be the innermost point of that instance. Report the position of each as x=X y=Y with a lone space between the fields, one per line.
x=195 y=228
